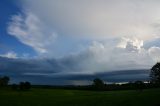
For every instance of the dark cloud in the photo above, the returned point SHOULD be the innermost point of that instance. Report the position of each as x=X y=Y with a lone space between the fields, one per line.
x=56 y=72
x=19 y=66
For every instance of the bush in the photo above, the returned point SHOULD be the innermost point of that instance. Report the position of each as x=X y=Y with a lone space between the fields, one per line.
x=24 y=85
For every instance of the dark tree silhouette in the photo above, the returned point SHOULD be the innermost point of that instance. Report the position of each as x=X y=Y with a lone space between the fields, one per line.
x=98 y=84
x=24 y=85
x=27 y=85
x=4 y=81
x=155 y=74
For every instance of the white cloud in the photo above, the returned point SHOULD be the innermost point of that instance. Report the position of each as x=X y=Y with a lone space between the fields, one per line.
x=30 y=30
x=100 y=18
x=134 y=21
x=133 y=44
x=10 y=54
x=155 y=53
x=106 y=56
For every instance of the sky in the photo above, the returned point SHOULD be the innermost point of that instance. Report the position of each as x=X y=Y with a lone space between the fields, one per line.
x=74 y=41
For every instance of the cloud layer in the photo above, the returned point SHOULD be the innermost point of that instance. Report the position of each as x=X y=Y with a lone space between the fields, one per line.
x=54 y=72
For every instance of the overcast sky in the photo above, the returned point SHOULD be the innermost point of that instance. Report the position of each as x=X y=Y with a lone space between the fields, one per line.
x=79 y=36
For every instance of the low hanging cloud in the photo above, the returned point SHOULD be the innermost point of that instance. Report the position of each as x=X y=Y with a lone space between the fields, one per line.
x=31 y=31
x=79 y=68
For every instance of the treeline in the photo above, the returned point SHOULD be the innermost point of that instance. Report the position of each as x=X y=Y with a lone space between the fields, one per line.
x=4 y=82
x=97 y=84
x=21 y=86
x=137 y=85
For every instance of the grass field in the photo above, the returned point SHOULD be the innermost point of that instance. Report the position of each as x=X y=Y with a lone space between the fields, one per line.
x=53 y=97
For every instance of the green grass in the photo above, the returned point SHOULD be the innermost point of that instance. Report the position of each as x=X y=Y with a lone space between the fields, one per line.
x=53 y=97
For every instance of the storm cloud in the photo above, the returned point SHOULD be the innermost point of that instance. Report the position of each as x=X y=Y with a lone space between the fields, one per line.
x=76 y=41
x=76 y=69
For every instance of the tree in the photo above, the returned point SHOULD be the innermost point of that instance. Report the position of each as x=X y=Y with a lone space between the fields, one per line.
x=155 y=74
x=27 y=85
x=24 y=85
x=4 y=81
x=98 y=84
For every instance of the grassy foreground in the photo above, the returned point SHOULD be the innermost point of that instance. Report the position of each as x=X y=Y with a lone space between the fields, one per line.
x=53 y=97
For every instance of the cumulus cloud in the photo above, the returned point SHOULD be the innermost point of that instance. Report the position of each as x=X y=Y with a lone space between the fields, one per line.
x=30 y=30
x=131 y=44
x=106 y=56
